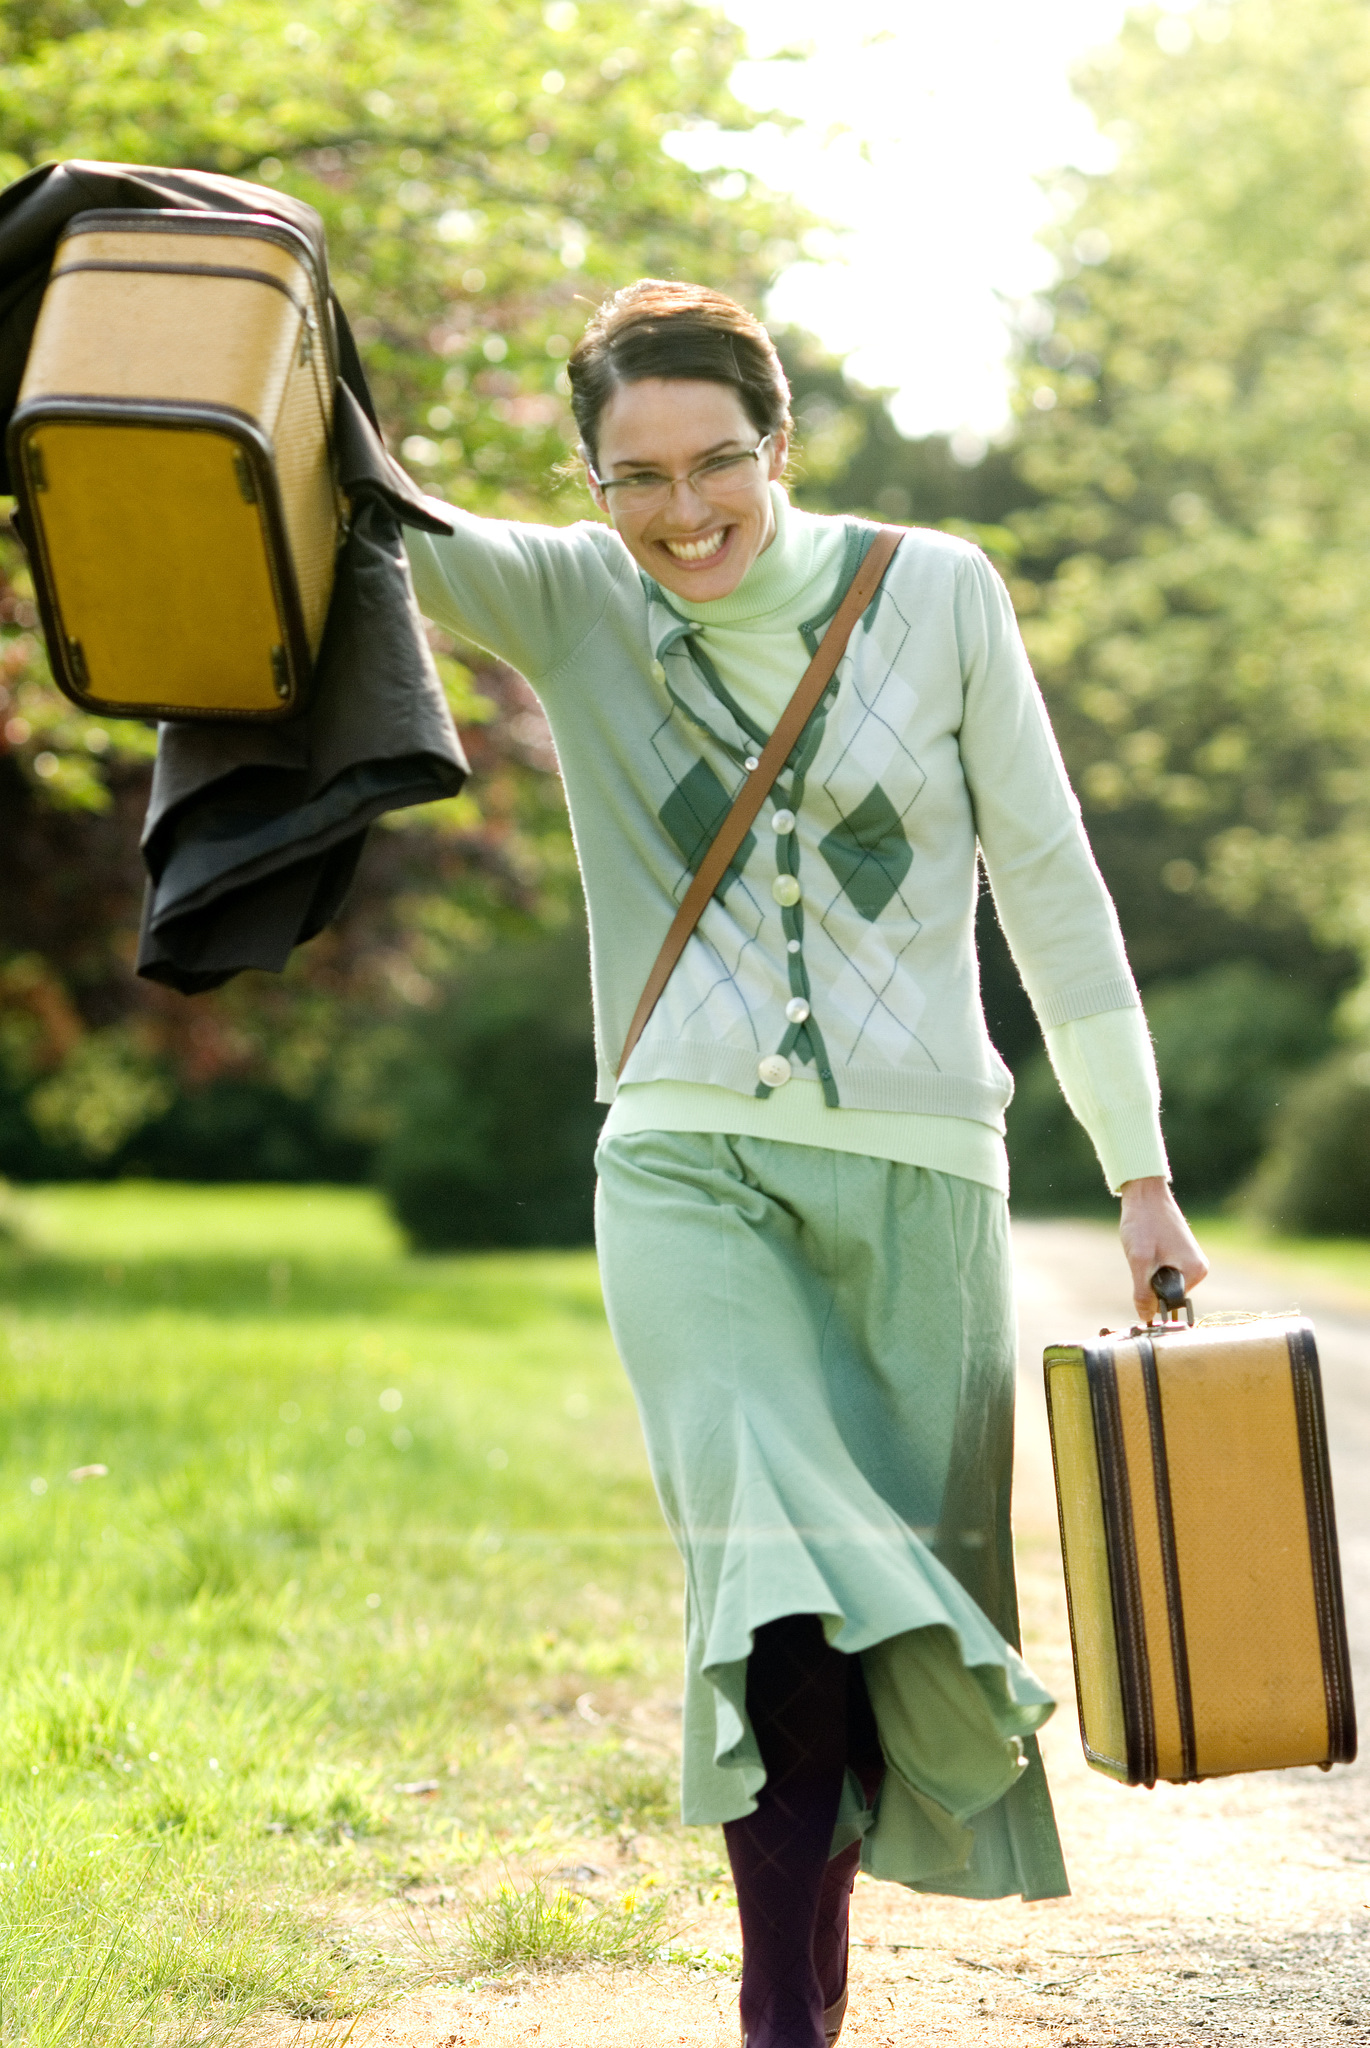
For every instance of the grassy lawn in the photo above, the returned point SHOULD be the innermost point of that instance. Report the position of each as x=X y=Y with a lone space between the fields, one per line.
x=1342 y=1261
x=371 y=1604
x=369 y=1524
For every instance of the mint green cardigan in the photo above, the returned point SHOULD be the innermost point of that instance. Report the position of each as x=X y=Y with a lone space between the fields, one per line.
x=932 y=739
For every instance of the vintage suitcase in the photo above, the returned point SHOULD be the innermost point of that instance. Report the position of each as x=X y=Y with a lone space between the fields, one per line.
x=1200 y=1547
x=171 y=455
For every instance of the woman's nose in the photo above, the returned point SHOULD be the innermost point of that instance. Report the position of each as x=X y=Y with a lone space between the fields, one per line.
x=692 y=500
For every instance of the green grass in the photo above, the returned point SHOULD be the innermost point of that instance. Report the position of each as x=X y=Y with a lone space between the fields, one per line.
x=1344 y=1261
x=542 y=1925
x=368 y=1521
x=1300 y=1261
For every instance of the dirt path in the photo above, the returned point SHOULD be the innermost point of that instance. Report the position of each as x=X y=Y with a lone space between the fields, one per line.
x=1232 y=1911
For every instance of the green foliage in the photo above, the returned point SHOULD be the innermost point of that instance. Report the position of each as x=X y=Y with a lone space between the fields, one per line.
x=476 y=168
x=484 y=174
x=228 y=1129
x=851 y=457
x=1196 y=423
x=363 y=1522
x=12 y=1221
x=1315 y=1178
x=496 y=1117
x=480 y=172
x=26 y=26
x=107 y=1089
x=239 y=1129
x=1228 y=1046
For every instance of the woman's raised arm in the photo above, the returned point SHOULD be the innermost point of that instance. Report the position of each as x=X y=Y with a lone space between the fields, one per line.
x=530 y=594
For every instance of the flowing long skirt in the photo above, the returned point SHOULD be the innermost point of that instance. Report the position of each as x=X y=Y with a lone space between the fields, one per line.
x=821 y=1346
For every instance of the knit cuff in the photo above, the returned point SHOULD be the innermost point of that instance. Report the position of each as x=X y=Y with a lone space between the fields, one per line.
x=1129 y=1143
x=1087 y=999
x=1107 y=1071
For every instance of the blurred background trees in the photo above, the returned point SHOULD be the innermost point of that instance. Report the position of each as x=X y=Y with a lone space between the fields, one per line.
x=1195 y=420
x=1181 y=513
x=484 y=173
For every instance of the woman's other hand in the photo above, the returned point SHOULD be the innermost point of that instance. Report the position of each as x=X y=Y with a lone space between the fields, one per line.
x=1154 y=1233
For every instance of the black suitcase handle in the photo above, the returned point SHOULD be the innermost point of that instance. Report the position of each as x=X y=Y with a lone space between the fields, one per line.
x=1167 y=1284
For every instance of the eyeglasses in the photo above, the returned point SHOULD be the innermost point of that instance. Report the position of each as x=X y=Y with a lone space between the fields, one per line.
x=721 y=477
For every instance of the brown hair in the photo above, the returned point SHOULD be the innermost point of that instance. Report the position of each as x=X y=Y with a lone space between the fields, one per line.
x=657 y=329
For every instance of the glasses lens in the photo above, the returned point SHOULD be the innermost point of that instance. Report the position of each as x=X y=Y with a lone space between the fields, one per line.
x=725 y=473
x=643 y=493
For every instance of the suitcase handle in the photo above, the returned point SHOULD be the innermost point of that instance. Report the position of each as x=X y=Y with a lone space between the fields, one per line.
x=1167 y=1284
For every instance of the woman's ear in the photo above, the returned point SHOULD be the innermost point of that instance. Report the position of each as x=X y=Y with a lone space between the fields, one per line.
x=780 y=455
x=593 y=487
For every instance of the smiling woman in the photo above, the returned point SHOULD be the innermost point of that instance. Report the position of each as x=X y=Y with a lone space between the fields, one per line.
x=801 y=1218
x=697 y=531
x=671 y=385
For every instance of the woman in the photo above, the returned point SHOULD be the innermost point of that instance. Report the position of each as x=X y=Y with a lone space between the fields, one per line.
x=802 y=1221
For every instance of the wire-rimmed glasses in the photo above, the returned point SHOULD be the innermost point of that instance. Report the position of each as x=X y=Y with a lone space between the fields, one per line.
x=720 y=478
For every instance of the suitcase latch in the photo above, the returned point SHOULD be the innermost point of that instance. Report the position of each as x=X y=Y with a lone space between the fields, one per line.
x=307 y=339
x=76 y=663
x=280 y=673
x=247 y=483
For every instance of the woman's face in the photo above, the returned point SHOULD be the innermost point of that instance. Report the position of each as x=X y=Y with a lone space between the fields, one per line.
x=701 y=542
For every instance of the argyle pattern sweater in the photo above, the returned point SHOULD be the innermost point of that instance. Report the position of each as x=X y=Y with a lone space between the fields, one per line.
x=841 y=944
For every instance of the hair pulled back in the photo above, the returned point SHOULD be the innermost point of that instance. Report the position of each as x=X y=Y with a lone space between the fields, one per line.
x=655 y=328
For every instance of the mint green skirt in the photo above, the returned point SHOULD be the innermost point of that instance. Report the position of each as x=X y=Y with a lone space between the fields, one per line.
x=822 y=1350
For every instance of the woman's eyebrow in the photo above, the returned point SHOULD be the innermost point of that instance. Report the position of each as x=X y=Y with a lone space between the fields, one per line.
x=642 y=462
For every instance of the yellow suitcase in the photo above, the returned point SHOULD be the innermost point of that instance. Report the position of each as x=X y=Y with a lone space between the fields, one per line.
x=171 y=451
x=1200 y=1548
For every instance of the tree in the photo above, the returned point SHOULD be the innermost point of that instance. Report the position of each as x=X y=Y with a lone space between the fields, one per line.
x=852 y=458
x=1195 y=421
x=483 y=173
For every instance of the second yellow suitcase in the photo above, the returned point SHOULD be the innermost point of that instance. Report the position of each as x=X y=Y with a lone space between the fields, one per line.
x=171 y=451
x=1200 y=1550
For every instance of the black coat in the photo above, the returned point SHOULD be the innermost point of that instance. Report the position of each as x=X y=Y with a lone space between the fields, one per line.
x=253 y=831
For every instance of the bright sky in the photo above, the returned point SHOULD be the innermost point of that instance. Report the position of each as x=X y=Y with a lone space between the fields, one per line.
x=925 y=126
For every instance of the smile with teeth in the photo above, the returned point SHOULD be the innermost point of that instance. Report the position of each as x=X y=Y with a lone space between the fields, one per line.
x=697 y=550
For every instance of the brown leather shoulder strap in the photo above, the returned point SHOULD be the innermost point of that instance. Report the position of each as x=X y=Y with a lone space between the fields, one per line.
x=754 y=791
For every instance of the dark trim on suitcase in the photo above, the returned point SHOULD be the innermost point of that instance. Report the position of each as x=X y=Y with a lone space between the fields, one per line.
x=182 y=416
x=1322 y=1544
x=1170 y=1559
x=260 y=227
x=1134 y=1667
x=237 y=270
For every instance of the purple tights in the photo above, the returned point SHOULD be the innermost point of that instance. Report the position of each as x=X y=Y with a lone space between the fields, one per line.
x=809 y=1708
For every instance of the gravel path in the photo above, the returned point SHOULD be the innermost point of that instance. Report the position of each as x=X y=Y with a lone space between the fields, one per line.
x=1235 y=1911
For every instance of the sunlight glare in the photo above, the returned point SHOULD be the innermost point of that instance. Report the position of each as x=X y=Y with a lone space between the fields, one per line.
x=924 y=132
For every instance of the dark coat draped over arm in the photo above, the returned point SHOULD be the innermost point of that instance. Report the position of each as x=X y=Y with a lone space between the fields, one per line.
x=253 y=832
